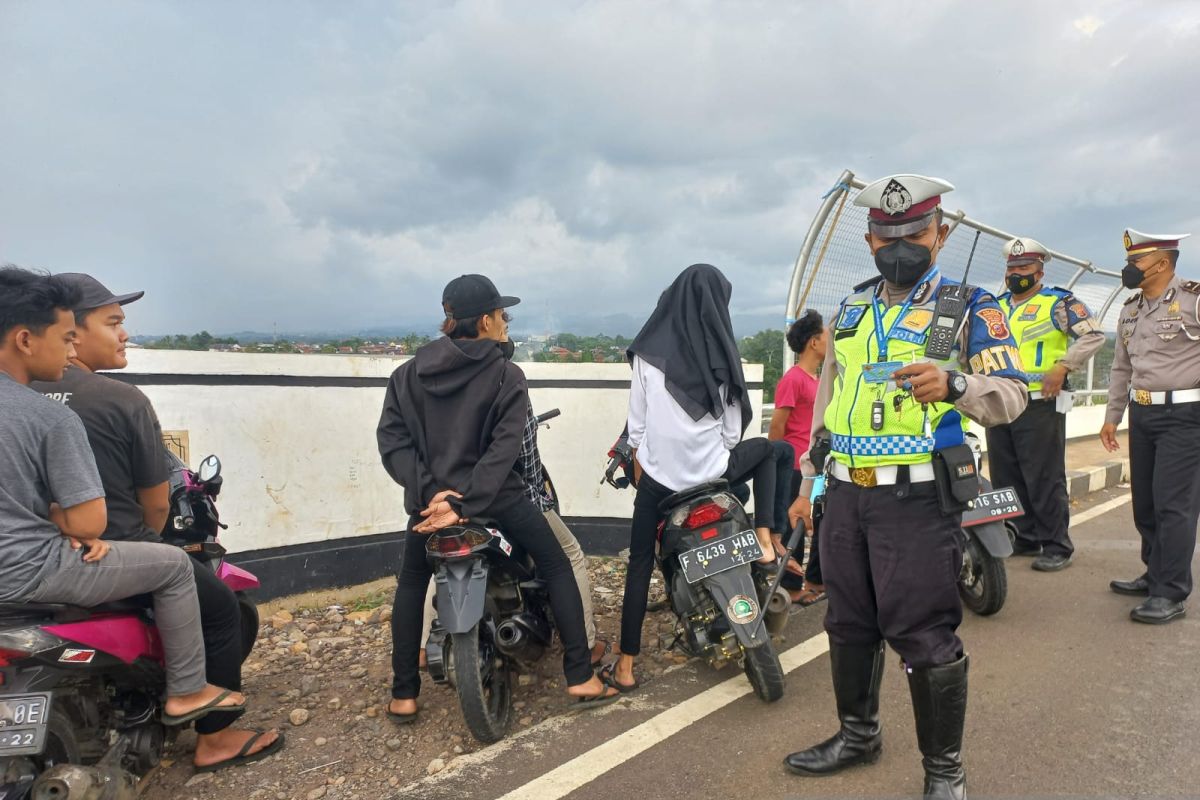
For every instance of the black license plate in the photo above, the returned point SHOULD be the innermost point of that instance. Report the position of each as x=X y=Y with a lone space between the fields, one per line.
x=991 y=506
x=23 y=721
x=720 y=555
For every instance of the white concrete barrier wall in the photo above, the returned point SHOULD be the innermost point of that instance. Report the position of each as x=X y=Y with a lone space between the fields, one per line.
x=300 y=462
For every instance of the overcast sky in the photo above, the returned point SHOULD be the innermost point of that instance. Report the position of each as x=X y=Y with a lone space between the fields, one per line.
x=321 y=166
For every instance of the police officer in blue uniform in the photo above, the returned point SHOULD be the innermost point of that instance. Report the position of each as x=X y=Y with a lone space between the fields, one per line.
x=896 y=411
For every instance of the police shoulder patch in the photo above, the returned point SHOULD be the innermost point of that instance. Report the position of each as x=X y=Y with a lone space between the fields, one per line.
x=1191 y=287
x=850 y=317
x=993 y=318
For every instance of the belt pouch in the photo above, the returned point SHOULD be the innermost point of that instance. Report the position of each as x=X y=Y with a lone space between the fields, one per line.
x=956 y=478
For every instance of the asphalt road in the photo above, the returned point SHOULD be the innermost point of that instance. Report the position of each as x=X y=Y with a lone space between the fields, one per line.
x=1068 y=697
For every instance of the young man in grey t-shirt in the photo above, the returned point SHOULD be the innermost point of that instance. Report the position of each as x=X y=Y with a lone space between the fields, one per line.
x=52 y=510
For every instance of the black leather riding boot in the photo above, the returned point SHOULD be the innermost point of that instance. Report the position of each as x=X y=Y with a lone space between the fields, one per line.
x=857 y=671
x=939 y=696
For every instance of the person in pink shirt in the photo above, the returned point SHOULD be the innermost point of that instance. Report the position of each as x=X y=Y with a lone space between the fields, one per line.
x=792 y=422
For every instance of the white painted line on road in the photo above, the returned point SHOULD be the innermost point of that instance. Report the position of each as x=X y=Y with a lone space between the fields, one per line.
x=585 y=768
x=1103 y=508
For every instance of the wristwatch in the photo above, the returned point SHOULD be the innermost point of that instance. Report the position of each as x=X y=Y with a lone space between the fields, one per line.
x=956 y=385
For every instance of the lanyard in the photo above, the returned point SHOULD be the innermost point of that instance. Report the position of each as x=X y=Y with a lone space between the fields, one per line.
x=881 y=338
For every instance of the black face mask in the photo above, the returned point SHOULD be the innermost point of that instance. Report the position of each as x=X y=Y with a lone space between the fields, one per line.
x=902 y=263
x=1131 y=276
x=507 y=348
x=1019 y=284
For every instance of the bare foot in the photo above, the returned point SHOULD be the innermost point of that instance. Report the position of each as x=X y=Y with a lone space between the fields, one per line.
x=178 y=705
x=406 y=706
x=623 y=672
x=764 y=542
x=213 y=748
x=593 y=688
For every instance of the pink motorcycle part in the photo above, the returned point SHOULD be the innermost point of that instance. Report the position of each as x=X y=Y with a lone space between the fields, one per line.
x=121 y=635
x=236 y=578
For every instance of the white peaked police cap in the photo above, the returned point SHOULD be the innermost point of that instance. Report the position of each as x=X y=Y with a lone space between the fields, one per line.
x=1024 y=250
x=1137 y=243
x=901 y=205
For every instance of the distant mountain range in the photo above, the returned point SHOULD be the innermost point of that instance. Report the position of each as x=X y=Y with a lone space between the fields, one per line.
x=582 y=325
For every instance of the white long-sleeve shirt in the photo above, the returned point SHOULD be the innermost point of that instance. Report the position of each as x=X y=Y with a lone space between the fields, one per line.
x=674 y=449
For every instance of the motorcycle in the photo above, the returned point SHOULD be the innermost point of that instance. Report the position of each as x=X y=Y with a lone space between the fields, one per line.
x=986 y=537
x=493 y=618
x=725 y=610
x=81 y=689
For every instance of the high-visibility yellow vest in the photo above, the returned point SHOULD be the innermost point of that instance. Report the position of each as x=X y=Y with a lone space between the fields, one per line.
x=910 y=432
x=1040 y=341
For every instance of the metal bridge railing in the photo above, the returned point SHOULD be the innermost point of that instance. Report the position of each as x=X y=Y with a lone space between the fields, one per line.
x=834 y=257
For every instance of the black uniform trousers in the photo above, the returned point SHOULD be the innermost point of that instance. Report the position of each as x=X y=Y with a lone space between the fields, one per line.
x=1164 y=466
x=221 y=625
x=522 y=522
x=1029 y=454
x=891 y=566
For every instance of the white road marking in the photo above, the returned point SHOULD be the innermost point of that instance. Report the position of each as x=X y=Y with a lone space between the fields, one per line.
x=585 y=768
x=1103 y=508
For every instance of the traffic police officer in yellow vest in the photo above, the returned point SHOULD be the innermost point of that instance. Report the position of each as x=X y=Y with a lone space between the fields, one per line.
x=1056 y=336
x=890 y=550
x=1157 y=366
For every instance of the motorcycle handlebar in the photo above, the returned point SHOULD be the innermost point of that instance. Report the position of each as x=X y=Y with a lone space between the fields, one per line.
x=184 y=518
x=549 y=415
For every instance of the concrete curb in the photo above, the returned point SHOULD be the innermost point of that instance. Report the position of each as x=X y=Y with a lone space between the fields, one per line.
x=1093 y=479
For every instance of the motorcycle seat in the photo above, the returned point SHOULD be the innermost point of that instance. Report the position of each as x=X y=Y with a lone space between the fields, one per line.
x=692 y=493
x=64 y=612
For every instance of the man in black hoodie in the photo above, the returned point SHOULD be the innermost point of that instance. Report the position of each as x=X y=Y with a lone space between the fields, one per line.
x=450 y=433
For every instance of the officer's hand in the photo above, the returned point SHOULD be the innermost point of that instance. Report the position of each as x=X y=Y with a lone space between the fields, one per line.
x=929 y=381
x=801 y=509
x=1108 y=436
x=1052 y=382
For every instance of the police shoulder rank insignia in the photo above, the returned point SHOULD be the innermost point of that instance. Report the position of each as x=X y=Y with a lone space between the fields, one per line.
x=993 y=318
x=850 y=317
x=1191 y=287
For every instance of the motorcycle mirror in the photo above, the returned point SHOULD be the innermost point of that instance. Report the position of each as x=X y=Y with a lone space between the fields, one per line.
x=210 y=468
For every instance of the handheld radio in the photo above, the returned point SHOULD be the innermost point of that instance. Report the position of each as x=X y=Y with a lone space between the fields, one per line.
x=948 y=314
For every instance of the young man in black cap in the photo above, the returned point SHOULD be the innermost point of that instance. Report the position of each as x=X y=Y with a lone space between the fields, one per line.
x=126 y=440
x=450 y=433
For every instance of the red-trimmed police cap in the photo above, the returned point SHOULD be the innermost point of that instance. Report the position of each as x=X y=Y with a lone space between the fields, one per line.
x=901 y=205
x=1024 y=250
x=1138 y=243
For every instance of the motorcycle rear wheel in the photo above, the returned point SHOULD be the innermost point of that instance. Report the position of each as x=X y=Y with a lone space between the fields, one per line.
x=484 y=682
x=764 y=672
x=983 y=582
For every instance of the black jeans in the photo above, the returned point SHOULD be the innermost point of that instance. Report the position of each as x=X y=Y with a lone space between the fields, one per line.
x=812 y=572
x=643 y=535
x=524 y=524
x=757 y=460
x=221 y=626
x=1029 y=454
x=785 y=470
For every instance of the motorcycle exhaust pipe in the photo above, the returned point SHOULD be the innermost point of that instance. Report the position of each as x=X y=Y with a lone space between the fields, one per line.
x=523 y=637
x=76 y=782
x=779 y=604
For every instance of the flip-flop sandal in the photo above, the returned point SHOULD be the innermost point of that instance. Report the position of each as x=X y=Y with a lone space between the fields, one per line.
x=596 y=701
x=401 y=719
x=608 y=675
x=812 y=599
x=203 y=711
x=246 y=757
x=596 y=660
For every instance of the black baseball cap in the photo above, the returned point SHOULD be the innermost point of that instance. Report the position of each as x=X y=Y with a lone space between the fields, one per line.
x=92 y=293
x=470 y=296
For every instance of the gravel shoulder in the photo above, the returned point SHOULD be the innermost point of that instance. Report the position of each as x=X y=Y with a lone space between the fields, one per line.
x=321 y=673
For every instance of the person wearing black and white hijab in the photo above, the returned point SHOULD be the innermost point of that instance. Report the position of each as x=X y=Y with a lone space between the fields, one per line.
x=689 y=408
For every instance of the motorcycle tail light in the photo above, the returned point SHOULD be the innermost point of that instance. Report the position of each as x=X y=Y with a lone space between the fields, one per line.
x=22 y=643
x=706 y=513
x=455 y=543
